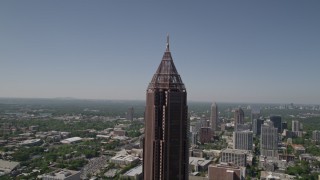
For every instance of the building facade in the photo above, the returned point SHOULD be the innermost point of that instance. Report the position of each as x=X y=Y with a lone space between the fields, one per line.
x=234 y=157
x=256 y=126
x=166 y=124
x=243 y=140
x=205 y=135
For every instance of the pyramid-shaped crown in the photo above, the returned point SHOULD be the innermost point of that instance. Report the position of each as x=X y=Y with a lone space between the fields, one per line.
x=166 y=76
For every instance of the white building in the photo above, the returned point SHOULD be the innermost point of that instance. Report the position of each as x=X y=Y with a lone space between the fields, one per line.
x=124 y=160
x=63 y=174
x=71 y=140
x=234 y=157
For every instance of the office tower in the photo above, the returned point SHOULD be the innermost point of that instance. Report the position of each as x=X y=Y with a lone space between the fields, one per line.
x=269 y=140
x=295 y=126
x=255 y=113
x=238 y=117
x=130 y=113
x=166 y=153
x=243 y=140
x=205 y=135
x=256 y=126
x=214 y=116
x=234 y=156
x=276 y=122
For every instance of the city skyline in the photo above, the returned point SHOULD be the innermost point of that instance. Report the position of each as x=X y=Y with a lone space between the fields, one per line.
x=255 y=52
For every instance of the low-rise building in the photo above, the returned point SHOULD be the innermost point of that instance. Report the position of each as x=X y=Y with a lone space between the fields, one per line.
x=62 y=174
x=267 y=175
x=226 y=172
x=196 y=153
x=134 y=173
x=124 y=160
x=71 y=140
x=198 y=164
x=119 y=132
x=299 y=149
x=7 y=167
x=31 y=142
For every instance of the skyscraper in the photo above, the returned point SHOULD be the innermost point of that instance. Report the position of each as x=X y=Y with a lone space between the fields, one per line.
x=255 y=113
x=269 y=140
x=256 y=126
x=166 y=154
x=277 y=123
x=238 y=117
x=214 y=117
x=130 y=114
x=295 y=126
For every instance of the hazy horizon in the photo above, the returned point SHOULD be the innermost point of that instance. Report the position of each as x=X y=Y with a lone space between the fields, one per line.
x=225 y=51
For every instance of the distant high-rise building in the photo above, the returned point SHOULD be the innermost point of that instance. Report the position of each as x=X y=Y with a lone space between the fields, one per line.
x=255 y=113
x=256 y=126
x=130 y=113
x=276 y=122
x=205 y=135
x=243 y=140
x=238 y=117
x=166 y=151
x=269 y=140
x=295 y=126
x=316 y=136
x=214 y=116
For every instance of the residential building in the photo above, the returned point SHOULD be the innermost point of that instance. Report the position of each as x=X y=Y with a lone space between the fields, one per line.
x=316 y=136
x=269 y=140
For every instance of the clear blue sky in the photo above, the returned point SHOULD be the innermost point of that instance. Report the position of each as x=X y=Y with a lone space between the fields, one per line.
x=227 y=51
